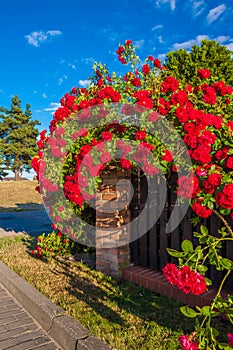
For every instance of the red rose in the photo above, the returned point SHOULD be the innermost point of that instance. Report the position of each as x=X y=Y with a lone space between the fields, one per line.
x=140 y=135
x=200 y=209
x=229 y=163
x=203 y=73
x=128 y=42
x=188 y=342
x=125 y=163
x=157 y=63
x=188 y=187
x=106 y=136
x=170 y=272
x=230 y=339
x=167 y=156
x=150 y=169
x=146 y=69
x=136 y=82
x=153 y=117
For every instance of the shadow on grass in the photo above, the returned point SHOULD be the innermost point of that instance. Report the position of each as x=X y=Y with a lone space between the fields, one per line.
x=115 y=300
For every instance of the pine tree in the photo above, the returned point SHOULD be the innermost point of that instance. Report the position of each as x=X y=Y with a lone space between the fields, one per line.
x=18 y=136
x=210 y=55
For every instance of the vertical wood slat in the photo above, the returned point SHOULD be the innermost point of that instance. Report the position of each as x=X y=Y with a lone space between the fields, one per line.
x=175 y=234
x=150 y=250
x=143 y=241
x=153 y=233
x=134 y=208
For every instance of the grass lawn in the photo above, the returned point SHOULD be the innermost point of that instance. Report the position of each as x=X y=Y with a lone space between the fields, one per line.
x=123 y=315
x=19 y=195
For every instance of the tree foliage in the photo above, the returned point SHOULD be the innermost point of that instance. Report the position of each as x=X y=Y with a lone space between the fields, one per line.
x=18 y=134
x=210 y=55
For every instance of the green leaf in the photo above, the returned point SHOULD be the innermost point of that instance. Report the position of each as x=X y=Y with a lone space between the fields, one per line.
x=204 y=230
x=226 y=264
x=206 y=311
x=187 y=246
x=174 y=253
x=202 y=268
x=208 y=281
x=188 y=312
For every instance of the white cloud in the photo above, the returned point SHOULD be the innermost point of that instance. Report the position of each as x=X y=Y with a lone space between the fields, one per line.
x=139 y=43
x=162 y=56
x=215 y=13
x=84 y=83
x=44 y=95
x=201 y=37
x=171 y=2
x=38 y=37
x=198 y=7
x=230 y=46
x=189 y=43
x=160 y=39
x=52 y=107
x=159 y=26
x=34 y=92
x=222 y=38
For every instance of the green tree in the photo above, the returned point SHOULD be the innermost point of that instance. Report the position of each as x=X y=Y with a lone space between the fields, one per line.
x=210 y=54
x=18 y=134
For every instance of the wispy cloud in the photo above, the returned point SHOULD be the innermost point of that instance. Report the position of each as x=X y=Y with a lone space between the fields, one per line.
x=139 y=43
x=198 y=7
x=61 y=79
x=159 y=26
x=160 y=39
x=84 y=83
x=44 y=95
x=88 y=60
x=52 y=107
x=38 y=37
x=171 y=2
x=71 y=65
x=189 y=43
x=214 y=13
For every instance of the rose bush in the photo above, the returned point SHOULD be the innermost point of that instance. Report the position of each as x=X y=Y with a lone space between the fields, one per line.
x=201 y=116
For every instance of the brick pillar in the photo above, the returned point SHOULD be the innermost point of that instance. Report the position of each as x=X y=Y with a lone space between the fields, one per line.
x=112 y=212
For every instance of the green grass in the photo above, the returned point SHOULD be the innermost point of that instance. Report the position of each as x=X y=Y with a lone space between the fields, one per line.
x=122 y=314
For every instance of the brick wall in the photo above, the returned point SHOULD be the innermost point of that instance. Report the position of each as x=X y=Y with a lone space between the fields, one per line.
x=112 y=214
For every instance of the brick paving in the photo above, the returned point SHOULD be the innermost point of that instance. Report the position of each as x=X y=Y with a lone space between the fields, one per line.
x=18 y=331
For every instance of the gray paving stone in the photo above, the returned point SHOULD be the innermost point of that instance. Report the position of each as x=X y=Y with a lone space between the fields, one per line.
x=33 y=322
x=18 y=330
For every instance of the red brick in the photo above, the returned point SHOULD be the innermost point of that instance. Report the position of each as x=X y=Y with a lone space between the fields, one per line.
x=157 y=284
x=175 y=293
x=168 y=290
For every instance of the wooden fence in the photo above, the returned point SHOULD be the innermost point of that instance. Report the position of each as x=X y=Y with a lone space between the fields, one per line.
x=150 y=249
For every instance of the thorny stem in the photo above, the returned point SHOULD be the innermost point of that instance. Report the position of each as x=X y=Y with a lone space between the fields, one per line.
x=224 y=221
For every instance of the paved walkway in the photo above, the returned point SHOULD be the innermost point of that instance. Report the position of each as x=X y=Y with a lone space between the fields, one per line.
x=33 y=222
x=18 y=331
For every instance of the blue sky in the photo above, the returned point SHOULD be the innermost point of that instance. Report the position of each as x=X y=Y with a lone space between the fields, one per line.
x=47 y=47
